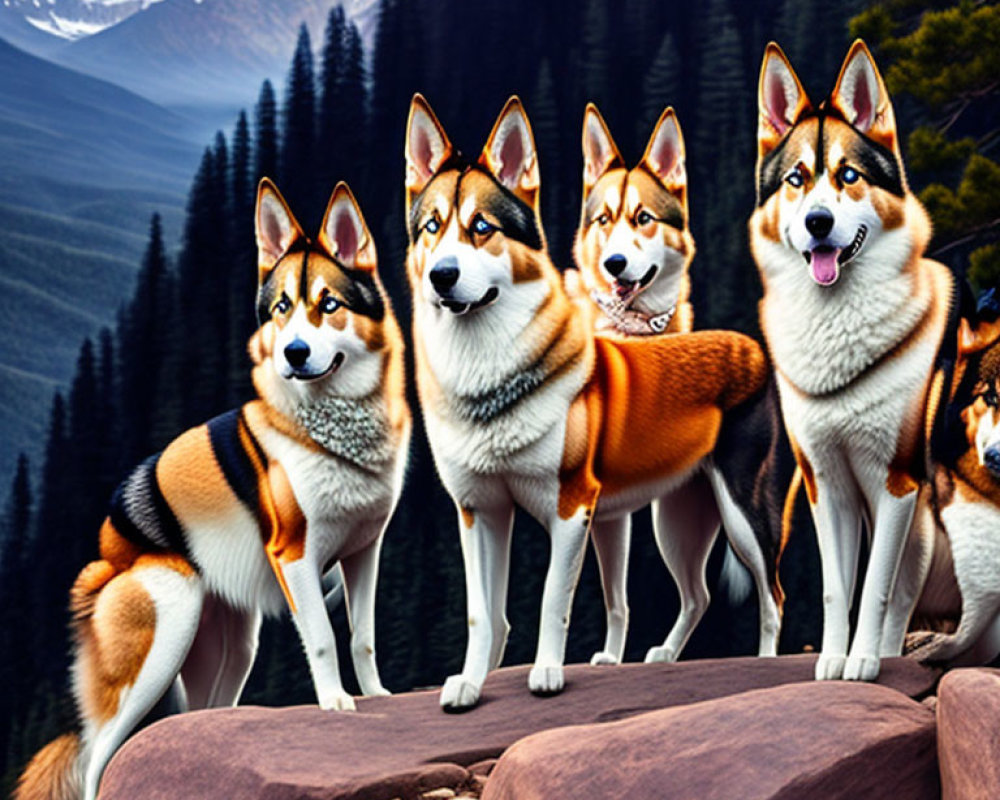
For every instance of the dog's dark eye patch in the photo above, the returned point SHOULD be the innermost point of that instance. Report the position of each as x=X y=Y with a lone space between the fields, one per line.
x=664 y=206
x=773 y=169
x=356 y=287
x=419 y=204
x=517 y=219
x=877 y=163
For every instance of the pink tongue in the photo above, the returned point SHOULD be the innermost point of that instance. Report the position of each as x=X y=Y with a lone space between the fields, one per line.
x=824 y=266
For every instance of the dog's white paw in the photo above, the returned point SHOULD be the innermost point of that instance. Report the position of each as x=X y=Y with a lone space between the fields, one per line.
x=337 y=701
x=830 y=668
x=458 y=693
x=603 y=657
x=861 y=668
x=546 y=679
x=657 y=654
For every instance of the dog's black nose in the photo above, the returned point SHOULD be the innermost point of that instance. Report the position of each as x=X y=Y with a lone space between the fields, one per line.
x=819 y=222
x=444 y=274
x=992 y=459
x=296 y=353
x=615 y=265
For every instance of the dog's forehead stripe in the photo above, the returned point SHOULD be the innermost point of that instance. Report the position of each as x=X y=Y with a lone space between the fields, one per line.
x=656 y=198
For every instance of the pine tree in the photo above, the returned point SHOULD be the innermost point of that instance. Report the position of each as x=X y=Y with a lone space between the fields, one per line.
x=296 y=164
x=328 y=137
x=352 y=115
x=265 y=135
x=661 y=87
x=15 y=667
x=243 y=267
x=948 y=60
x=141 y=344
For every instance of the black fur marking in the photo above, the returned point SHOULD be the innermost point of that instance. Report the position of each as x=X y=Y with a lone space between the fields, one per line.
x=141 y=514
x=233 y=459
x=877 y=163
x=772 y=172
x=517 y=219
x=361 y=294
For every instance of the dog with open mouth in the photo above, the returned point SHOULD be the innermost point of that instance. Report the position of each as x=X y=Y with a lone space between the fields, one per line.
x=854 y=317
x=525 y=405
x=633 y=245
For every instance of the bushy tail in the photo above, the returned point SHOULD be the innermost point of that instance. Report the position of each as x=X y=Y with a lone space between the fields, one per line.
x=54 y=772
x=735 y=579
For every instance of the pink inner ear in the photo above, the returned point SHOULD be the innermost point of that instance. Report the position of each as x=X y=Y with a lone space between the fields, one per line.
x=862 y=102
x=345 y=235
x=421 y=151
x=777 y=103
x=272 y=232
x=664 y=154
x=511 y=156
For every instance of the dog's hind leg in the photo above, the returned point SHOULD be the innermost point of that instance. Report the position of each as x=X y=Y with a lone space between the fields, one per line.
x=222 y=655
x=131 y=651
x=913 y=568
x=685 y=523
x=485 y=536
x=360 y=579
x=747 y=548
x=612 y=538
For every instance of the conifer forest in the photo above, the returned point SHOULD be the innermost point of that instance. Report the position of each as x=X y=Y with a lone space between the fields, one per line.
x=177 y=353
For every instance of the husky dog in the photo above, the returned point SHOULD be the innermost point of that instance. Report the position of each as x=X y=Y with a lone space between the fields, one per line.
x=854 y=316
x=524 y=405
x=240 y=516
x=961 y=535
x=633 y=246
x=633 y=250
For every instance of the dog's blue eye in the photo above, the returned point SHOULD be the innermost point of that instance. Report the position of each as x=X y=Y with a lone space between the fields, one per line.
x=644 y=217
x=480 y=225
x=283 y=304
x=329 y=304
x=849 y=175
x=795 y=178
x=603 y=219
x=432 y=226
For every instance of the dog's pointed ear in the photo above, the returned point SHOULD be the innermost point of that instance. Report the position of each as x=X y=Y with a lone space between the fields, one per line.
x=276 y=227
x=861 y=97
x=510 y=152
x=600 y=153
x=781 y=99
x=344 y=233
x=427 y=147
x=664 y=156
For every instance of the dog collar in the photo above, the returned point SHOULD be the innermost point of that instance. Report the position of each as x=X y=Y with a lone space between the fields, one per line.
x=629 y=321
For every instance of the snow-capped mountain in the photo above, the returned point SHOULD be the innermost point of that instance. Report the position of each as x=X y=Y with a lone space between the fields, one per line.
x=74 y=19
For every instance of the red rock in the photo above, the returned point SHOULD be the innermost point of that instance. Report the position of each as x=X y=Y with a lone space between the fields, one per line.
x=819 y=741
x=968 y=717
x=402 y=745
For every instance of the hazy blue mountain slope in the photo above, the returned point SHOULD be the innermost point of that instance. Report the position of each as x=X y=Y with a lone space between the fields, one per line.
x=83 y=166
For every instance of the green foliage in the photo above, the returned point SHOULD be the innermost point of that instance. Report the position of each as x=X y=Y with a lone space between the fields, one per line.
x=984 y=267
x=946 y=56
x=929 y=150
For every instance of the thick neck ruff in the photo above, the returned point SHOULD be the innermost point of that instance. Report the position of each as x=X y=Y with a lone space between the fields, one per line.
x=356 y=430
x=824 y=338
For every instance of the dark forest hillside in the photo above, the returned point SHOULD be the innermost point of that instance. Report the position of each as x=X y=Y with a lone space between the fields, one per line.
x=176 y=356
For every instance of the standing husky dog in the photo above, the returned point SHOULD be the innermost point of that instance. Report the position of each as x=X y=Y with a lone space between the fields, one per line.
x=633 y=246
x=524 y=405
x=208 y=535
x=633 y=249
x=854 y=316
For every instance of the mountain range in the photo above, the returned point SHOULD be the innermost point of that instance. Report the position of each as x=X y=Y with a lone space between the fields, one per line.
x=83 y=166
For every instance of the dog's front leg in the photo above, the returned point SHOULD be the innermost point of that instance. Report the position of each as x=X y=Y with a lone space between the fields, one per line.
x=486 y=554
x=838 y=532
x=893 y=517
x=361 y=577
x=569 y=541
x=303 y=585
